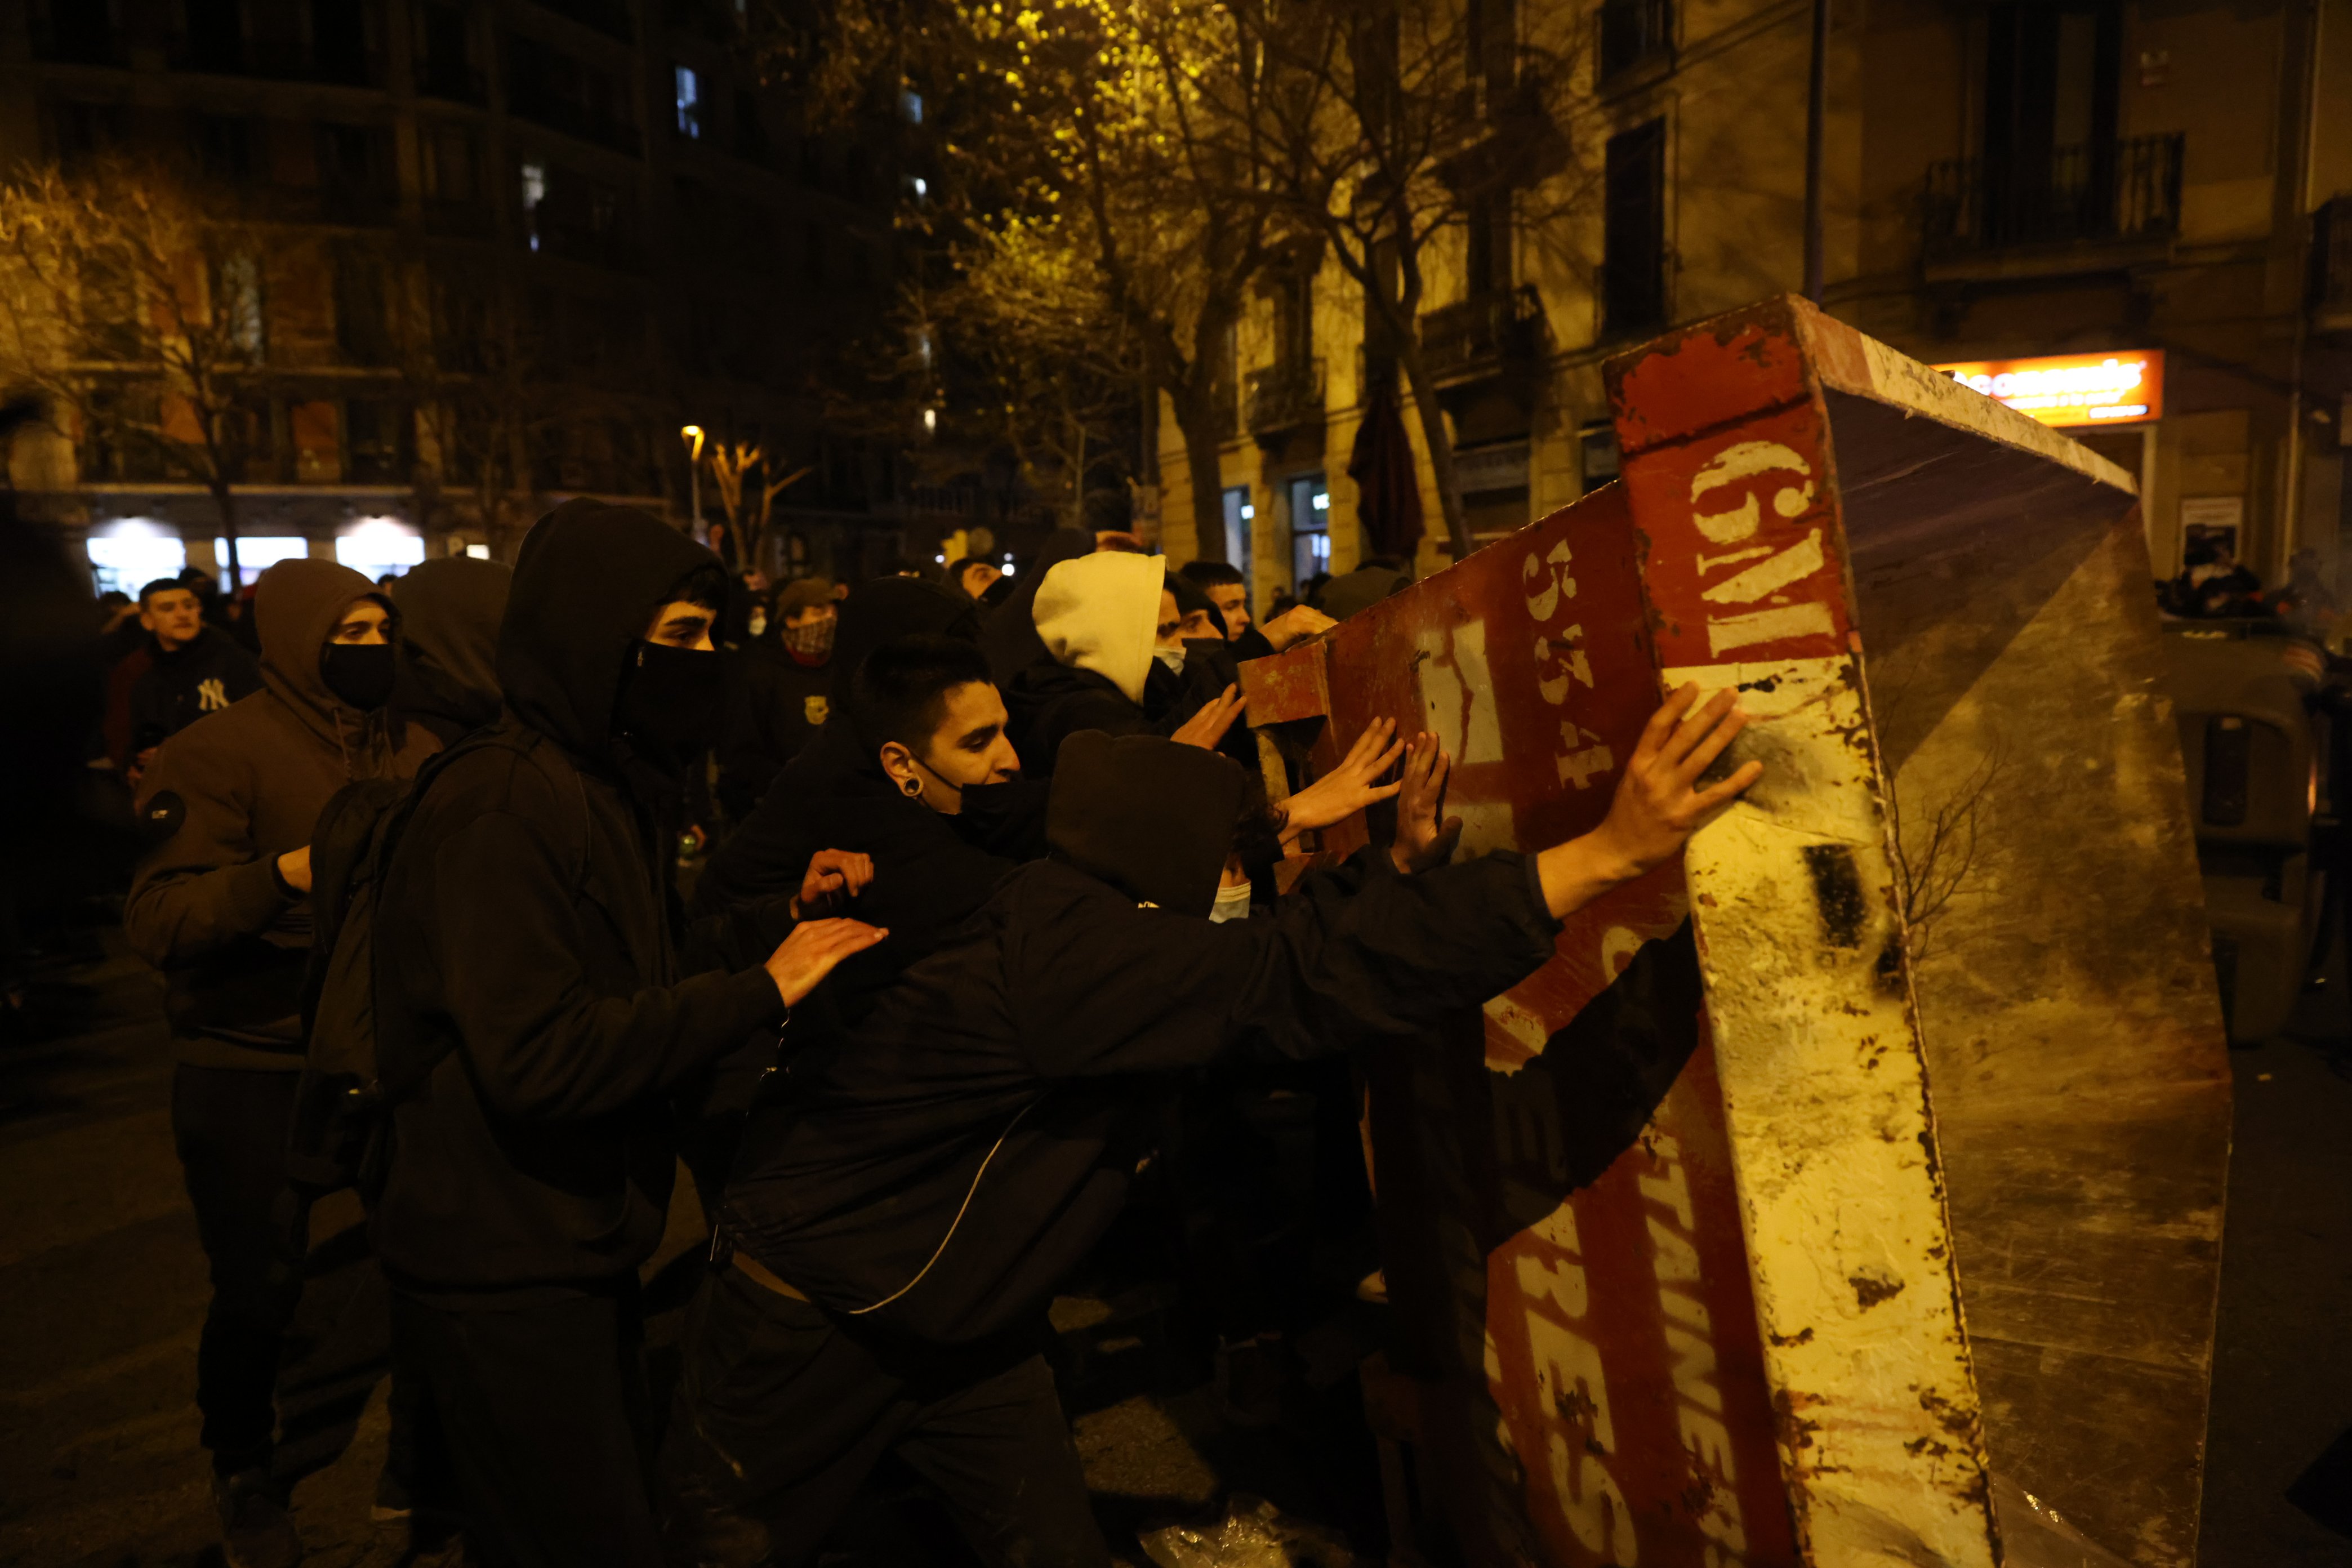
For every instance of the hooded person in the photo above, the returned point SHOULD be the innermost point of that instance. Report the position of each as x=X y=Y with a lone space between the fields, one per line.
x=449 y=612
x=904 y=1208
x=1112 y=659
x=780 y=692
x=219 y=904
x=1012 y=639
x=533 y=1013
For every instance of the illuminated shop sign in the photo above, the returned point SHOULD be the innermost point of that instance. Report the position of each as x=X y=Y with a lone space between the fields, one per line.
x=2125 y=388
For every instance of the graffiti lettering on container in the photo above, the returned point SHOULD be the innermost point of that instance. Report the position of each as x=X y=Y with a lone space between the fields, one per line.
x=1690 y=1348
x=1742 y=474
x=1561 y=661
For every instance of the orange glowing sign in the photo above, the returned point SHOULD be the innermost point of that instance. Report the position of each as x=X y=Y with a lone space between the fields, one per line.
x=2125 y=388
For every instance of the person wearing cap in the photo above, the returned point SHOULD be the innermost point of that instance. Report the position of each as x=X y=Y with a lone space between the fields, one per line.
x=220 y=904
x=535 y=1010
x=904 y=1206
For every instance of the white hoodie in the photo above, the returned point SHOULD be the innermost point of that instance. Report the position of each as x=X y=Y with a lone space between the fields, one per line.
x=1101 y=613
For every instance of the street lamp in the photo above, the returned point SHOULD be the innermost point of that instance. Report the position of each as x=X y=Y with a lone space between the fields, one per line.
x=693 y=435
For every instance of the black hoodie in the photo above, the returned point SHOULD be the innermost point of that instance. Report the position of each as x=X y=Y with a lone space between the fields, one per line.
x=229 y=796
x=181 y=685
x=449 y=612
x=938 y=1174
x=526 y=943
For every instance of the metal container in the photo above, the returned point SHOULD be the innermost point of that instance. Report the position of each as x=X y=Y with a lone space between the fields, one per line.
x=1764 y=1240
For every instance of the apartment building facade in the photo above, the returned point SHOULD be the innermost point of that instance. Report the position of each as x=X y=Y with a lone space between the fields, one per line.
x=595 y=202
x=2167 y=183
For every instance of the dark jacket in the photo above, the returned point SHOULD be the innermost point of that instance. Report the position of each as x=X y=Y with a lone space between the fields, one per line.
x=775 y=706
x=1048 y=702
x=962 y=1152
x=182 y=686
x=932 y=873
x=526 y=942
x=231 y=794
x=449 y=612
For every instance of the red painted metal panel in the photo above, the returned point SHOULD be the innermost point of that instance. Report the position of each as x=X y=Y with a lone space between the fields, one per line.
x=1586 y=1367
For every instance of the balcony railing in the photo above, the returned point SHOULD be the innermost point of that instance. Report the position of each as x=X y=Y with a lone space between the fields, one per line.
x=2098 y=193
x=1631 y=33
x=1284 y=397
x=1485 y=334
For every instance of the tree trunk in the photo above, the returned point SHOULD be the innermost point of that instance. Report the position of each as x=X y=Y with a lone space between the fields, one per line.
x=1203 y=464
x=227 y=503
x=1439 y=444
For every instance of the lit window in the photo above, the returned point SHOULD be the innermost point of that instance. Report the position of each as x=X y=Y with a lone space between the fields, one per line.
x=690 y=101
x=478 y=552
x=910 y=104
x=1322 y=500
x=380 y=544
x=129 y=554
x=534 y=192
x=256 y=554
x=930 y=421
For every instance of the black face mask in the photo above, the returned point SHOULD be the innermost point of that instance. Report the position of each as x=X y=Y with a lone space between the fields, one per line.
x=670 y=698
x=359 y=673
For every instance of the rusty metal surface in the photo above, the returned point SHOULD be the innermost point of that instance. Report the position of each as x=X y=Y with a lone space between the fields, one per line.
x=1733 y=1331
x=2075 y=1041
x=1732 y=483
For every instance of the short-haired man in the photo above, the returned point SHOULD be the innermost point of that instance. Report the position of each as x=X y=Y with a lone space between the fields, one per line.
x=219 y=905
x=534 y=1014
x=1227 y=589
x=972 y=575
x=193 y=669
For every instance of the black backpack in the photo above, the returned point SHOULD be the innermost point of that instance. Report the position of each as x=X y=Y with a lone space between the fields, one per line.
x=341 y=1129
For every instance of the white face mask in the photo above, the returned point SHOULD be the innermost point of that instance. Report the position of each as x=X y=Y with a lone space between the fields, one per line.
x=1232 y=904
x=758 y=622
x=1174 y=657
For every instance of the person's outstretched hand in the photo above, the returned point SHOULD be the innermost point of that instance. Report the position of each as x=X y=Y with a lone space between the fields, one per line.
x=1425 y=835
x=810 y=954
x=1295 y=623
x=1350 y=788
x=834 y=877
x=1657 y=804
x=1208 y=727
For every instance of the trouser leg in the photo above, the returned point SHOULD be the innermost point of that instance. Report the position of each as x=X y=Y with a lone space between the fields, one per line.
x=541 y=1411
x=229 y=1128
x=1000 y=1451
x=777 y=1419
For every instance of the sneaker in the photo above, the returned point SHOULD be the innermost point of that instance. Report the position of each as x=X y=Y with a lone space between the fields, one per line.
x=254 y=1531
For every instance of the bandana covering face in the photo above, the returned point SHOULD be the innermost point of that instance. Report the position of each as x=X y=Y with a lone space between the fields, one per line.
x=811 y=643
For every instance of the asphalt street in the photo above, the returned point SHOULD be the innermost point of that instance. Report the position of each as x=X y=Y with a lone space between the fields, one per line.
x=101 y=1290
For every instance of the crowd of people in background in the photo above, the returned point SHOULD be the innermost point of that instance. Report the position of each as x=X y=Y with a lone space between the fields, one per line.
x=919 y=918
x=2213 y=585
